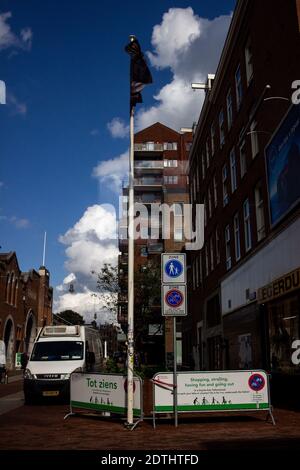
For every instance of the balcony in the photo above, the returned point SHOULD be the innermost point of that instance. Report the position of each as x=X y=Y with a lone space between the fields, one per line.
x=153 y=248
x=148 y=165
x=148 y=182
x=149 y=147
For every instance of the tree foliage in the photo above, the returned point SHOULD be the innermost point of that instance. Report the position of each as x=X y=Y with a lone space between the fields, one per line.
x=69 y=317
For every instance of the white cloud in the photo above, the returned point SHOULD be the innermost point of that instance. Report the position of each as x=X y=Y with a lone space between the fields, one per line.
x=17 y=107
x=9 y=39
x=112 y=172
x=90 y=243
x=178 y=106
x=118 y=128
x=190 y=47
x=178 y=29
x=85 y=304
x=18 y=222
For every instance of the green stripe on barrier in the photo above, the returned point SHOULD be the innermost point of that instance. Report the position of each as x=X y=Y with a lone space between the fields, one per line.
x=99 y=407
x=243 y=406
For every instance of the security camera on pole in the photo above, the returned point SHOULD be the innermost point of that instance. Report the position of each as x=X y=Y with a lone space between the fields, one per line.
x=174 y=303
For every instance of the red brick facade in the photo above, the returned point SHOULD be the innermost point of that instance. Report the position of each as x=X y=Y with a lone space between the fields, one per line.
x=25 y=305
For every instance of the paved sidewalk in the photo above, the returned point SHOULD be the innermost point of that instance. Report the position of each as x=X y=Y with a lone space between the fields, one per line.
x=43 y=427
x=11 y=402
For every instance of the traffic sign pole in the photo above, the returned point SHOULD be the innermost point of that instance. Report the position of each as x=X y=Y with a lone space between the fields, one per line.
x=175 y=373
x=173 y=278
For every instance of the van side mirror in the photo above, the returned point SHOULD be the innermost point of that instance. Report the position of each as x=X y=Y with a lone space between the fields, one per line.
x=91 y=359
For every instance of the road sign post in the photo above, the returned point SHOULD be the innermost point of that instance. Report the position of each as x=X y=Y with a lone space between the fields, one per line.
x=174 y=304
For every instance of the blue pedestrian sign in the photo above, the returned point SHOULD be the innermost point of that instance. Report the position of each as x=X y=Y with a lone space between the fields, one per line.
x=173 y=268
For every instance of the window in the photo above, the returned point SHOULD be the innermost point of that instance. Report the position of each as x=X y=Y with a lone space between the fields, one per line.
x=237 y=242
x=211 y=244
x=12 y=287
x=150 y=146
x=188 y=146
x=178 y=237
x=194 y=274
x=171 y=179
x=198 y=176
x=197 y=271
x=209 y=203
x=200 y=268
x=206 y=261
x=227 y=247
x=233 y=171
x=170 y=146
x=248 y=61
x=254 y=139
x=247 y=225
x=170 y=163
x=212 y=138
x=225 y=185
x=243 y=160
x=229 y=109
x=207 y=153
x=217 y=246
x=221 y=127
x=215 y=190
x=259 y=209
x=178 y=209
x=238 y=87
x=203 y=165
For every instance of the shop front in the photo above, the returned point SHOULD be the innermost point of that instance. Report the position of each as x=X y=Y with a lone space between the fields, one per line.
x=281 y=302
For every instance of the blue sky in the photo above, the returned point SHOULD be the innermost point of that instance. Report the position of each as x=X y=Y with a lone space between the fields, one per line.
x=66 y=74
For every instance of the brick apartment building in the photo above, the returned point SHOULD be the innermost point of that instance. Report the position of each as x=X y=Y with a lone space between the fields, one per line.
x=244 y=286
x=160 y=165
x=25 y=305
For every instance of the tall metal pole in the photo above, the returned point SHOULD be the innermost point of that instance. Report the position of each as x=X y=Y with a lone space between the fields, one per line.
x=130 y=334
x=175 y=373
x=44 y=250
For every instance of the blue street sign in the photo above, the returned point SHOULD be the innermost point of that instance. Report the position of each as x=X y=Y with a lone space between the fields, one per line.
x=173 y=268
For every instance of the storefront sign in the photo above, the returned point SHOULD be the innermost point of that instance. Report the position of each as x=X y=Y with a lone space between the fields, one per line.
x=280 y=286
x=212 y=391
x=104 y=392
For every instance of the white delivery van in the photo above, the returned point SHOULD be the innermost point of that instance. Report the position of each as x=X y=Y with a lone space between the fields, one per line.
x=58 y=351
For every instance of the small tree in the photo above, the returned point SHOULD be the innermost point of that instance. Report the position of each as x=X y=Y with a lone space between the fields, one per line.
x=69 y=317
x=112 y=280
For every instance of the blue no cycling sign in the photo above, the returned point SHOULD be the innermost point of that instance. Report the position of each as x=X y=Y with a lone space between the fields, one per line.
x=173 y=268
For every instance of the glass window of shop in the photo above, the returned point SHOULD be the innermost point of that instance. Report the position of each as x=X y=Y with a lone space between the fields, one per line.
x=284 y=328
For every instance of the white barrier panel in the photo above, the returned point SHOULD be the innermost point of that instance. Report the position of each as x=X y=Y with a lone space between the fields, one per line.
x=212 y=391
x=104 y=392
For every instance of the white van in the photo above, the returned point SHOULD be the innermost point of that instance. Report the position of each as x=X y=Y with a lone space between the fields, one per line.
x=58 y=351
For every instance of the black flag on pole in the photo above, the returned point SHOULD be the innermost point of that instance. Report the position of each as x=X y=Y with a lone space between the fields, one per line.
x=140 y=74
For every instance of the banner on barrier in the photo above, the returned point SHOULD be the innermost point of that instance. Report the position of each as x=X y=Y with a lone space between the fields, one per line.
x=104 y=392
x=212 y=391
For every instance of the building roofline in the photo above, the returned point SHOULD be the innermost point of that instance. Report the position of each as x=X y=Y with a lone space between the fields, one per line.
x=157 y=124
x=235 y=23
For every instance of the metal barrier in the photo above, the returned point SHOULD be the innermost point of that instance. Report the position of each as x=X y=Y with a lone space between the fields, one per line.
x=207 y=391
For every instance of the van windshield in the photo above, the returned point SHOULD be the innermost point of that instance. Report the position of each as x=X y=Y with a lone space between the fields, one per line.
x=57 y=351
